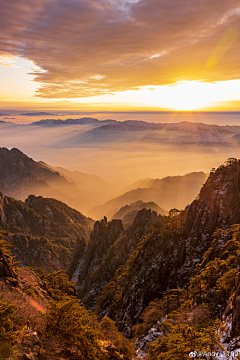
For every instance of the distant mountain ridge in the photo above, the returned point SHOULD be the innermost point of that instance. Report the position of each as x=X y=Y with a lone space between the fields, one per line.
x=182 y=133
x=81 y=121
x=128 y=213
x=169 y=192
x=41 y=113
x=185 y=133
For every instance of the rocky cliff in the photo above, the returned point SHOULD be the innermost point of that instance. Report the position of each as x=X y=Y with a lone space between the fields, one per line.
x=104 y=234
x=163 y=257
x=42 y=231
x=110 y=246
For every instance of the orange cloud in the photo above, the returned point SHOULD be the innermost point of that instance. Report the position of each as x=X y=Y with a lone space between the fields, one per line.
x=91 y=47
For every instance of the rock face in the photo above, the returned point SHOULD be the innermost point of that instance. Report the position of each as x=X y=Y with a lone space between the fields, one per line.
x=42 y=231
x=104 y=234
x=236 y=311
x=6 y=265
x=109 y=248
x=165 y=257
x=78 y=253
x=148 y=272
x=216 y=207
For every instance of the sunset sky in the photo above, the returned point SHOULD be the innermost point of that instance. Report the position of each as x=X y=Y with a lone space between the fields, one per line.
x=120 y=54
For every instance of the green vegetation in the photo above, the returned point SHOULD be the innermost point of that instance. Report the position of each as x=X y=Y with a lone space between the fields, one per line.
x=189 y=318
x=46 y=217
x=43 y=231
x=70 y=322
x=7 y=311
x=171 y=230
x=182 y=336
x=4 y=244
x=56 y=283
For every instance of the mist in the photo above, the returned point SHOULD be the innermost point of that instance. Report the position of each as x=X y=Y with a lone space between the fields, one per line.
x=121 y=156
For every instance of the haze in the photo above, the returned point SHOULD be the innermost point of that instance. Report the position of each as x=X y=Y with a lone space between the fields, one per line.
x=122 y=156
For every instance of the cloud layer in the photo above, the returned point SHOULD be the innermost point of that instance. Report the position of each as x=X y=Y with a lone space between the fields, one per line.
x=92 y=47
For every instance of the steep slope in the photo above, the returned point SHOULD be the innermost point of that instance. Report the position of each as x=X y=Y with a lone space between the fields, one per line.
x=167 y=258
x=169 y=192
x=162 y=256
x=104 y=234
x=18 y=170
x=108 y=249
x=42 y=231
x=27 y=294
x=21 y=176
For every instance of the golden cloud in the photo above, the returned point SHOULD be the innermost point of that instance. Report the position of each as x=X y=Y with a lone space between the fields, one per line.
x=89 y=47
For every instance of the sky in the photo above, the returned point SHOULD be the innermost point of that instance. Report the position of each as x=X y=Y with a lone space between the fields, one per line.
x=120 y=55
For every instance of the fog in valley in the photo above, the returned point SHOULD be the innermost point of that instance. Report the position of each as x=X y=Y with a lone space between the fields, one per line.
x=122 y=153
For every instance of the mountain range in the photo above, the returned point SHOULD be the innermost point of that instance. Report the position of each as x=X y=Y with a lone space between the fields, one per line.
x=128 y=213
x=21 y=176
x=181 y=133
x=169 y=192
x=162 y=280
x=140 y=265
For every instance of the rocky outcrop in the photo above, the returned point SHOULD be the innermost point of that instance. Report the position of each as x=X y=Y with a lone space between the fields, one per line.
x=216 y=207
x=78 y=253
x=150 y=270
x=6 y=265
x=236 y=311
x=42 y=231
x=166 y=258
x=109 y=248
x=104 y=234
x=218 y=204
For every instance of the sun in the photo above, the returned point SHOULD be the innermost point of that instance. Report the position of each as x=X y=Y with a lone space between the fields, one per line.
x=188 y=96
x=182 y=96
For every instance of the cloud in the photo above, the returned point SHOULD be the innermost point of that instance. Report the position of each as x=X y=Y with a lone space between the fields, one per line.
x=91 y=47
x=4 y=64
x=8 y=60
